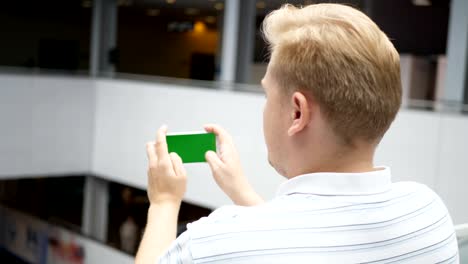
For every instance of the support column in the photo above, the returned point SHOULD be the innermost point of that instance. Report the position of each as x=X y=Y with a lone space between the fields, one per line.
x=369 y=8
x=457 y=54
x=95 y=208
x=103 y=37
x=229 y=47
x=246 y=41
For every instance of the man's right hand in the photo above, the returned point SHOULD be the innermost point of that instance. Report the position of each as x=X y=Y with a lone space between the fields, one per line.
x=227 y=170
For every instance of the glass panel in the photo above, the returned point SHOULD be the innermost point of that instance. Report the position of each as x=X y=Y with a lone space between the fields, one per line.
x=45 y=34
x=174 y=39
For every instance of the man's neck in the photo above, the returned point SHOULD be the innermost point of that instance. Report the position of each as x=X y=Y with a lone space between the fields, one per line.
x=356 y=160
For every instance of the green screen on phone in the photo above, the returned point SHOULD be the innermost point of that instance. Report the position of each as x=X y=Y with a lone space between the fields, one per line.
x=191 y=147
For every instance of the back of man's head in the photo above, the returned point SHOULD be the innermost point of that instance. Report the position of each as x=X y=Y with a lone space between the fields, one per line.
x=343 y=59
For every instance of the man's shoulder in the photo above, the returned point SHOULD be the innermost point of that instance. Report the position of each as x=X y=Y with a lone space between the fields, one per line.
x=291 y=221
x=226 y=213
x=413 y=187
x=233 y=214
x=232 y=217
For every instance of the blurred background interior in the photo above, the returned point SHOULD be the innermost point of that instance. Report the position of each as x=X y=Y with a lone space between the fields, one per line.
x=85 y=83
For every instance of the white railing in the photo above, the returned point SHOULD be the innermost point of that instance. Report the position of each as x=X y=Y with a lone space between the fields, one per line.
x=462 y=231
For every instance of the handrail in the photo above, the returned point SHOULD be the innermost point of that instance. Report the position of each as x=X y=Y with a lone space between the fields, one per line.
x=442 y=106
x=462 y=231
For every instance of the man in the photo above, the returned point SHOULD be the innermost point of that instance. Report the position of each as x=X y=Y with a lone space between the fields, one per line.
x=333 y=89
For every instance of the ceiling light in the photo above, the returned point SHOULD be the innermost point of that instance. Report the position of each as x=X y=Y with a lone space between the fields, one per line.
x=422 y=2
x=170 y=1
x=219 y=6
x=124 y=2
x=153 y=12
x=199 y=27
x=192 y=11
x=86 y=3
x=210 y=19
x=261 y=4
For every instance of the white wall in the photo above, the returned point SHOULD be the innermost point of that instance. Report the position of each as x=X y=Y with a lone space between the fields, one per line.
x=129 y=113
x=421 y=146
x=410 y=147
x=452 y=180
x=45 y=125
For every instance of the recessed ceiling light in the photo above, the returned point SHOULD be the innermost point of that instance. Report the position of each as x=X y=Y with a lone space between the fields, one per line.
x=124 y=2
x=192 y=11
x=422 y=2
x=210 y=19
x=153 y=12
x=86 y=3
x=170 y=1
x=261 y=4
x=219 y=6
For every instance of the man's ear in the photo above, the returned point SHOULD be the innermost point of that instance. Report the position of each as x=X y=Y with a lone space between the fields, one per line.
x=300 y=114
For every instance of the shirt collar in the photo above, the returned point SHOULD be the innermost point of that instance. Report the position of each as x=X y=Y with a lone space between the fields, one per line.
x=334 y=183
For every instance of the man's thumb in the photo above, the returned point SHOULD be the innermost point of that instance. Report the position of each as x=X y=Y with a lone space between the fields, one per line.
x=213 y=160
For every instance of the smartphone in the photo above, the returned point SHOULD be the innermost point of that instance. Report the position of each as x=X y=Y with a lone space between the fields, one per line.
x=191 y=146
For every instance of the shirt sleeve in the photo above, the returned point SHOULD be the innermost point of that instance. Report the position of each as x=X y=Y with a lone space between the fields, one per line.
x=179 y=251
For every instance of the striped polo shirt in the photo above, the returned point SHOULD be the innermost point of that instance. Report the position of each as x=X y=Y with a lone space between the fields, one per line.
x=327 y=218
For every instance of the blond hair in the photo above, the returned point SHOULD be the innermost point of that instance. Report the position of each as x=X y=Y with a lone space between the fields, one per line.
x=342 y=57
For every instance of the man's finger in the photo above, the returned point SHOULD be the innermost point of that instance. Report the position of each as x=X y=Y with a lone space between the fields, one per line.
x=151 y=151
x=161 y=144
x=213 y=160
x=223 y=135
x=177 y=164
